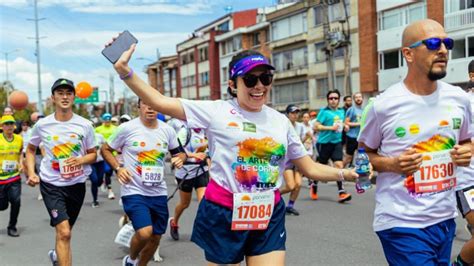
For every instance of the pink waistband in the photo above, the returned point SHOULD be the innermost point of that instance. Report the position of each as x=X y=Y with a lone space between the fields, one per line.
x=221 y=196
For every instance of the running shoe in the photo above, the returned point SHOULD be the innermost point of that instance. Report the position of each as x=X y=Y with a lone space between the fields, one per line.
x=126 y=262
x=292 y=211
x=40 y=197
x=344 y=196
x=103 y=188
x=313 y=192
x=95 y=204
x=111 y=195
x=174 y=229
x=53 y=257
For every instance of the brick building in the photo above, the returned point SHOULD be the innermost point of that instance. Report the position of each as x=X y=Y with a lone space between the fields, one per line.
x=162 y=75
x=198 y=56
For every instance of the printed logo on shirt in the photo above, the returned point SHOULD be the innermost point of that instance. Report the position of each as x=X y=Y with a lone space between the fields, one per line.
x=48 y=138
x=233 y=126
x=456 y=123
x=400 y=132
x=135 y=144
x=142 y=144
x=414 y=129
x=250 y=127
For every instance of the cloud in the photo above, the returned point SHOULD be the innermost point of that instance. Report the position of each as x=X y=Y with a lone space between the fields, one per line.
x=178 y=7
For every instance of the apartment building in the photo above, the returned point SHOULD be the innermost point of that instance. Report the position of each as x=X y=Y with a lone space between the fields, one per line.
x=381 y=27
x=314 y=48
x=254 y=37
x=162 y=75
x=198 y=56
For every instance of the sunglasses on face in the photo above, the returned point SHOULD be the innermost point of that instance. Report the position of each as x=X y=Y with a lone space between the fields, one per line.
x=333 y=98
x=251 y=80
x=434 y=43
x=8 y=123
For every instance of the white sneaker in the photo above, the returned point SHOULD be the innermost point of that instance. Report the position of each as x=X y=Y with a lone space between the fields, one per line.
x=53 y=257
x=40 y=197
x=103 y=188
x=111 y=194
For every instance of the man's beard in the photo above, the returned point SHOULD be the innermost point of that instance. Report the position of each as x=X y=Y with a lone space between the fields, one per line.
x=433 y=76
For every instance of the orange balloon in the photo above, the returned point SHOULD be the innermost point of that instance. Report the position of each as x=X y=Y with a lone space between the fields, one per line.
x=83 y=89
x=18 y=100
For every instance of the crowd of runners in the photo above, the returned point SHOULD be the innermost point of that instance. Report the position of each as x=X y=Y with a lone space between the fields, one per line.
x=240 y=156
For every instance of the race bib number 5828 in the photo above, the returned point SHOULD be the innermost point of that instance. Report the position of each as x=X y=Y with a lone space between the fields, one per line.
x=437 y=172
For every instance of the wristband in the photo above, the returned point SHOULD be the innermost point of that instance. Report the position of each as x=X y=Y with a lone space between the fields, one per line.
x=341 y=175
x=116 y=169
x=129 y=74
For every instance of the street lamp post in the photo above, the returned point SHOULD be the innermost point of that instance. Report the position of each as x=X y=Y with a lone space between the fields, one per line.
x=6 y=62
x=106 y=100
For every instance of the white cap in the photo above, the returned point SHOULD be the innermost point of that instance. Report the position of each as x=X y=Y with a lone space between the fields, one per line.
x=125 y=116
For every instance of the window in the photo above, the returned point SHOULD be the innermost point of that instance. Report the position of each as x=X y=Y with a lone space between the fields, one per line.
x=457 y=5
x=336 y=11
x=289 y=26
x=290 y=93
x=322 y=86
x=256 y=39
x=390 y=19
x=291 y=59
x=224 y=75
x=318 y=15
x=402 y=16
x=463 y=48
x=204 y=78
x=459 y=49
x=320 y=52
x=391 y=59
x=237 y=43
x=203 y=56
x=188 y=81
x=223 y=27
x=338 y=52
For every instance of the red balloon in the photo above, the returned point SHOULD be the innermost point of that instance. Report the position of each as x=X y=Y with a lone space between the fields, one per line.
x=83 y=90
x=18 y=100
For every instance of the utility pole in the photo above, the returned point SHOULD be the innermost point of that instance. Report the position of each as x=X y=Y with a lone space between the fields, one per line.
x=347 y=51
x=38 y=58
x=327 y=43
x=112 y=93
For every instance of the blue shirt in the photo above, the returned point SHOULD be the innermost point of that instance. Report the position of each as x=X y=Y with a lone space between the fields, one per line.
x=354 y=114
x=328 y=117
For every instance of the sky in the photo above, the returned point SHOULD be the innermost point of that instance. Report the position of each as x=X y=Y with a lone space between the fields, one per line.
x=74 y=32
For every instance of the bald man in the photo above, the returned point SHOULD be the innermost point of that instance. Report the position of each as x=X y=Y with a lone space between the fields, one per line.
x=417 y=133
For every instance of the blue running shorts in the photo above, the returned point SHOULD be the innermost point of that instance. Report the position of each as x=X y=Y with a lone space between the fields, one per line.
x=212 y=232
x=428 y=246
x=145 y=211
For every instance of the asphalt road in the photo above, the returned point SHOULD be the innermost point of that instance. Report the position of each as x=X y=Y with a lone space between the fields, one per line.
x=326 y=232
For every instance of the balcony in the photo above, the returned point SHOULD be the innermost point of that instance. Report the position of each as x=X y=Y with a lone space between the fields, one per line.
x=292 y=72
x=459 y=19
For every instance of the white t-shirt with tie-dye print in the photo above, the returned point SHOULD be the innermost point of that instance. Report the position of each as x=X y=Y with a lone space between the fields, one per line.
x=466 y=174
x=143 y=150
x=247 y=149
x=62 y=140
x=398 y=120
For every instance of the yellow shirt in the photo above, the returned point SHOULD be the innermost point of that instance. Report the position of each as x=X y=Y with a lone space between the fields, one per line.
x=106 y=132
x=10 y=152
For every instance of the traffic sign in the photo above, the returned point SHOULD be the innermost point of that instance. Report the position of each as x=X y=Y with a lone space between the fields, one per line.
x=94 y=98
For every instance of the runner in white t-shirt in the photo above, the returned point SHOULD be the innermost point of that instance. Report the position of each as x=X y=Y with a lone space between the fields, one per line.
x=242 y=214
x=144 y=142
x=193 y=175
x=465 y=188
x=69 y=144
x=291 y=174
x=416 y=133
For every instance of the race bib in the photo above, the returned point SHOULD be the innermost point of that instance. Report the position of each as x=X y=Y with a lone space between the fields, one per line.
x=69 y=171
x=9 y=166
x=252 y=211
x=470 y=198
x=152 y=175
x=340 y=126
x=437 y=172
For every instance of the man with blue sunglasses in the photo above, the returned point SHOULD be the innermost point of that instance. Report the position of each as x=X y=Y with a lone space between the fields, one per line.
x=417 y=134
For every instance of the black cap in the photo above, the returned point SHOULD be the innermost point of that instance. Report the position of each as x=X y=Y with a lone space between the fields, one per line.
x=292 y=108
x=63 y=83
